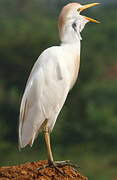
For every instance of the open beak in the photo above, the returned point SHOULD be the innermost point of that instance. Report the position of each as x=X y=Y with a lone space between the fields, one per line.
x=86 y=7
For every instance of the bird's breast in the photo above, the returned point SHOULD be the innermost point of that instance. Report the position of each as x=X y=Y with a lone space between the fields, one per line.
x=74 y=70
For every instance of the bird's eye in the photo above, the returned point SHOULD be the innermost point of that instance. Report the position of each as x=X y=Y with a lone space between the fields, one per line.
x=78 y=9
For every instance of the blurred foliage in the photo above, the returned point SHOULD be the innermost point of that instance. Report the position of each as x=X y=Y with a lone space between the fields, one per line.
x=90 y=113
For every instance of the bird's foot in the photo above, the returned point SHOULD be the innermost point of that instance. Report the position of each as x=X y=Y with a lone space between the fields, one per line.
x=66 y=163
x=59 y=164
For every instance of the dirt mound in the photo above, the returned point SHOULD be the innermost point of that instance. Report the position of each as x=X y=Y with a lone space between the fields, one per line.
x=29 y=171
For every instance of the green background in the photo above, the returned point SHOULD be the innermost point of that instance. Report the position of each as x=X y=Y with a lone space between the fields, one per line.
x=86 y=129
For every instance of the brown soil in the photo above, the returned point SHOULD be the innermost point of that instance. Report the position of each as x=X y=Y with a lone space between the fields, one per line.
x=29 y=171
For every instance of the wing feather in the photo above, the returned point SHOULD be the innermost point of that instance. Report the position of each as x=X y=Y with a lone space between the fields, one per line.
x=44 y=96
x=31 y=113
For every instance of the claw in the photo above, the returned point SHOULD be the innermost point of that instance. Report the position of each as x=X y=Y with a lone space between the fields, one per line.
x=59 y=164
x=52 y=165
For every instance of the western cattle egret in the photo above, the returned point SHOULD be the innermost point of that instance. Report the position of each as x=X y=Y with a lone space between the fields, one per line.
x=51 y=78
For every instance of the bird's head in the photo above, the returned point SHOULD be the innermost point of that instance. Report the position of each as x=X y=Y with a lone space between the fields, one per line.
x=71 y=22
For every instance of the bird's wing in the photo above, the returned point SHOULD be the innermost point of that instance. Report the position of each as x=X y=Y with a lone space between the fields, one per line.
x=43 y=98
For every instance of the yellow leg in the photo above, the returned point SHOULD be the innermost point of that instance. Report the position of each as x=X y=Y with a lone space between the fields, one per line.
x=47 y=140
x=57 y=164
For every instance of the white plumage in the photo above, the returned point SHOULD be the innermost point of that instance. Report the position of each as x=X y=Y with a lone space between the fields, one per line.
x=52 y=77
x=46 y=90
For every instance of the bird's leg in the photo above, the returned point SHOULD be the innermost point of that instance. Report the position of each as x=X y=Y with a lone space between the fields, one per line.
x=49 y=151
x=51 y=163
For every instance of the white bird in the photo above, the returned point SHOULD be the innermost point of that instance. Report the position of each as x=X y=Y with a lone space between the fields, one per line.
x=51 y=79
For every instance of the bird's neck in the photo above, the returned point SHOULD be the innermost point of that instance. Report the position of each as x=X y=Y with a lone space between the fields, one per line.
x=70 y=36
x=71 y=54
x=73 y=47
x=71 y=40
